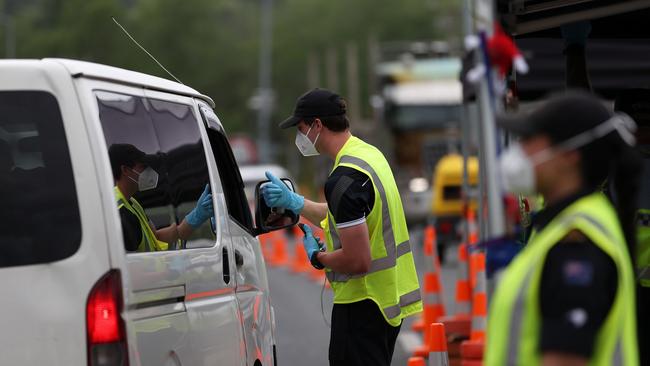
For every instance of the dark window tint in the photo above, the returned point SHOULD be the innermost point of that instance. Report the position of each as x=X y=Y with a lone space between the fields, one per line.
x=233 y=185
x=39 y=219
x=169 y=131
x=451 y=192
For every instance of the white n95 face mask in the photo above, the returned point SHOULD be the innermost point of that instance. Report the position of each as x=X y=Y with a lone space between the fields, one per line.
x=304 y=144
x=517 y=171
x=147 y=179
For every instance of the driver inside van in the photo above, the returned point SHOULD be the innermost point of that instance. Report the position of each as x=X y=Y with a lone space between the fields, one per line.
x=133 y=171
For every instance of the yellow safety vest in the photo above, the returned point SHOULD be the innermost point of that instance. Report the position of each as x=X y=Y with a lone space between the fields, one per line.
x=643 y=247
x=148 y=243
x=392 y=281
x=515 y=317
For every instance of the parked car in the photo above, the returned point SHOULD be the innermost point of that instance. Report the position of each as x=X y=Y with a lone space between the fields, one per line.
x=72 y=294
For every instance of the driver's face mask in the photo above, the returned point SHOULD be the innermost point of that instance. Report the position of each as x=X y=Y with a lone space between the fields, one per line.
x=518 y=169
x=147 y=179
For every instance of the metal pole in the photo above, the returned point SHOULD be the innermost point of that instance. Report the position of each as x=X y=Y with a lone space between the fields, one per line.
x=465 y=126
x=265 y=92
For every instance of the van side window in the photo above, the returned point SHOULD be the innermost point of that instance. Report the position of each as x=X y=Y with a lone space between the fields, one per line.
x=233 y=185
x=39 y=219
x=166 y=136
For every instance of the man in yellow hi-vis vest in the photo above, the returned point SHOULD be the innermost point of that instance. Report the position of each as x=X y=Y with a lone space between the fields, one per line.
x=133 y=172
x=368 y=259
x=568 y=298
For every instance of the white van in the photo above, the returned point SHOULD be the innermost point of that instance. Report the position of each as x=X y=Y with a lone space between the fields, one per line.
x=71 y=293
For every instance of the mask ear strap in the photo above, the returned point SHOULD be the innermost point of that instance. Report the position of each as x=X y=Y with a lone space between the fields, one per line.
x=625 y=127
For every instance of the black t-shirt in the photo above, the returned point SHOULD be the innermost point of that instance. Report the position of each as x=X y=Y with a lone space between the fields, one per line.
x=131 y=229
x=350 y=196
x=578 y=287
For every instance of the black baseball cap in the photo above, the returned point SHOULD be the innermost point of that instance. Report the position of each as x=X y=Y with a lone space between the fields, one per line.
x=315 y=103
x=561 y=116
x=129 y=155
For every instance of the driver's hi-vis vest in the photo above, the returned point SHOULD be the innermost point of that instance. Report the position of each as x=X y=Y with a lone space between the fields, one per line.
x=392 y=281
x=514 y=321
x=148 y=243
x=643 y=247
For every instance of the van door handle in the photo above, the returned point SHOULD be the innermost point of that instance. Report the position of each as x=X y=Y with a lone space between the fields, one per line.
x=239 y=259
x=226 y=265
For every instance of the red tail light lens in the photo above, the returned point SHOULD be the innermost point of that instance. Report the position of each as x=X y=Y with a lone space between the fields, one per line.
x=104 y=325
x=445 y=227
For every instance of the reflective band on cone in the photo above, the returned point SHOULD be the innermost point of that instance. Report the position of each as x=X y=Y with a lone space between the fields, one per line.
x=438 y=345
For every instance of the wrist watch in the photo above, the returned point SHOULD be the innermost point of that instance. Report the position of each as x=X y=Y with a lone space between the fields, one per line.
x=314 y=259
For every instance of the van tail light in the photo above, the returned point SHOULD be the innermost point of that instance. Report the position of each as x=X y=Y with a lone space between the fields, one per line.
x=445 y=227
x=105 y=332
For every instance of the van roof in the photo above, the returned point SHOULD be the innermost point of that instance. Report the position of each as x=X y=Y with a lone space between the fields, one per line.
x=124 y=76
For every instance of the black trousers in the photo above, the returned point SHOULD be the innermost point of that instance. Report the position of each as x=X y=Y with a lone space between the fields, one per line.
x=361 y=336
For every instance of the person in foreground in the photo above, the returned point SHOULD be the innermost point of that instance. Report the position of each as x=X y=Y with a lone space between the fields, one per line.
x=568 y=297
x=368 y=259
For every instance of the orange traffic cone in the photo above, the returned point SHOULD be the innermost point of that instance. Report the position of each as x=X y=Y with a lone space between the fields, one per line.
x=279 y=256
x=416 y=361
x=463 y=291
x=432 y=262
x=300 y=261
x=265 y=242
x=473 y=227
x=438 y=345
x=432 y=291
x=479 y=298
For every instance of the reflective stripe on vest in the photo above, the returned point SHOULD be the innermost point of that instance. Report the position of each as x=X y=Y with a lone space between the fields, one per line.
x=393 y=251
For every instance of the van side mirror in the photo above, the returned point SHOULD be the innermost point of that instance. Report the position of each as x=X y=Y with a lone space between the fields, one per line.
x=272 y=218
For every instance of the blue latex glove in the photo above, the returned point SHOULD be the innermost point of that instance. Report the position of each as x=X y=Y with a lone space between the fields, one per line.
x=576 y=33
x=312 y=244
x=203 y=209
x=277 y=194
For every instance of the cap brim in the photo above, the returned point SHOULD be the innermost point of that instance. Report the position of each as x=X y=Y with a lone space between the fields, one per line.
x=289 y=122
x=150 y=160
x=518 y=124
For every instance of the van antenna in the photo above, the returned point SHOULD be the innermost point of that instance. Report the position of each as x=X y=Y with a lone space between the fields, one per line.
x=145 y=50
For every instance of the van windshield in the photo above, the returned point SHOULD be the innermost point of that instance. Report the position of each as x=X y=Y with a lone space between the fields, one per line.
x=39 y=219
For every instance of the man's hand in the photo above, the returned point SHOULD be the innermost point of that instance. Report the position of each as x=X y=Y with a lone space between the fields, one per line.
x=203 y=209
x=277 y=194
x=312 y=244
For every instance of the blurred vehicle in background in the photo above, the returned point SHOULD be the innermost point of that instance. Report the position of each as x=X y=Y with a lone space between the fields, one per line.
x=447 y=203
x=252 y=174
x=421 y=104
